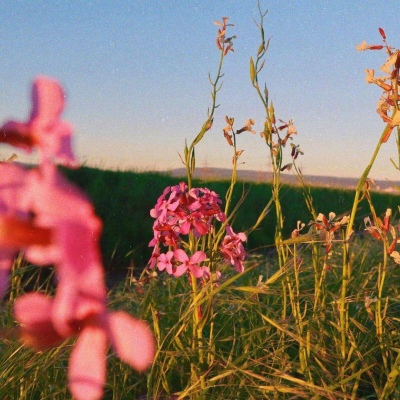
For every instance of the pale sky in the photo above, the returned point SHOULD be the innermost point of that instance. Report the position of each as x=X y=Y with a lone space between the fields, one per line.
x=136 y=77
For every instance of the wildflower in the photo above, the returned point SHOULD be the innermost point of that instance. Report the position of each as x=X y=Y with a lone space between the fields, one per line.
x=291 y=130
x=165 y=262
x=300 y=226
x=189 y=264
x=179 y=211
x=222 y=40
x=380 y=81
x=232 y=248
x=391 y=63
x=53 y=222
x=295 y=151
x=396 y=256
x=380 y=229
x=214 y=276
x=287 y=167
x=44 y=129
x=154 y=256
x=228 y=138
x=12 y=183
x=195 y=222
x=247 y=127
x=65 y=211
x=326 y=227
x=130 y=338
x=365 y=46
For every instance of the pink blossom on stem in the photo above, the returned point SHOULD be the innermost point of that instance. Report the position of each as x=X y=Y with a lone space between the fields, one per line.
x=165 y=261
x=195 y=222
x=232 y=248
x=191 y=264
x=53 y=222
x=12 y=183
x=154 y=257
x=180 y=211
x=66 y=210
x=44 y=129
x=130 y=338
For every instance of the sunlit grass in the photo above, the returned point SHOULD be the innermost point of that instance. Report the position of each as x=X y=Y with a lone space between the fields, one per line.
x=251 y=351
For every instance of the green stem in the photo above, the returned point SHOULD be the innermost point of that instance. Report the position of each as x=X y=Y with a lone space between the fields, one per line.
x=189 y=152
x=361 y=183
x=229 y=192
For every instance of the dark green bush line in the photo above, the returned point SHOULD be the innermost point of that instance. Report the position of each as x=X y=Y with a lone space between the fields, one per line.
x=123 y=201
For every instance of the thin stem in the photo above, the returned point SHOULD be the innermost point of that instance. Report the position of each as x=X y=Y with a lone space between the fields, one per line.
x=189 y=152
x=361 y=183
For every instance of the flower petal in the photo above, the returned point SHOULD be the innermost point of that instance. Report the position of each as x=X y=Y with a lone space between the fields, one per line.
x=87 y=364
x=132 y=340
x=33 y=311
x=48 y=100
x=74 y=304
x=181 y=256
x=198 y=257
x=179 y=270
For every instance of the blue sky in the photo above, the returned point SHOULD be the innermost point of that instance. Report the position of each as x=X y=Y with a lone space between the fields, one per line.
x=136 y=76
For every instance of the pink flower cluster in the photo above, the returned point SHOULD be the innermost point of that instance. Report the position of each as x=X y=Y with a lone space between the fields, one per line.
x=180 y=211
x=54 y=223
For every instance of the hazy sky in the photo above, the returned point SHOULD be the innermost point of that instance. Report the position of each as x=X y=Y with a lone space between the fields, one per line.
x=136 y=76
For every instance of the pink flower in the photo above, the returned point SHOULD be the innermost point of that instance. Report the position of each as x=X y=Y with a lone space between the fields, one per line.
x=64 y=208
x=12 y=183
x=165 y=262
x=195 y=221
x=53 y=223
x=154 y=257
x=130 y=338
x=191 y=264
x=44 y=128
x=232 y=248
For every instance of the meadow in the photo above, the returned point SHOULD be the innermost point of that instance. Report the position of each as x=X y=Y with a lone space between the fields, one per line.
x=249 y=291
x=123 y=200
x=253 y=350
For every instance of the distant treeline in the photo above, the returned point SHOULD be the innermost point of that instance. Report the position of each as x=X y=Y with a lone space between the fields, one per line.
x=123 y=201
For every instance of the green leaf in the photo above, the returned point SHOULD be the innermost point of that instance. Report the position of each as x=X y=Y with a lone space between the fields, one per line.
x=192 y=162
x=252 y=70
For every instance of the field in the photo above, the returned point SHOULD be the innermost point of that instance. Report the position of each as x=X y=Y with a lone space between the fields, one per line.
x=253 y=349
x=123 y=201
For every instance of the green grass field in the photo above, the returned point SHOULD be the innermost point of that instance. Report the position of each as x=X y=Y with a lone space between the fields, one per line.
x=267 y=333
x=123 y=201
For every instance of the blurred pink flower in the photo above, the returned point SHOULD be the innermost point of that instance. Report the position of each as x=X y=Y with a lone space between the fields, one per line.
x=44 y=128
x=130 y=338
x=12 y=183
x=53 y=222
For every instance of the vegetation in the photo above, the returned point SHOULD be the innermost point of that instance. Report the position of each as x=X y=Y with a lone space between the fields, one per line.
x=123 y=200
x=314 y=313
